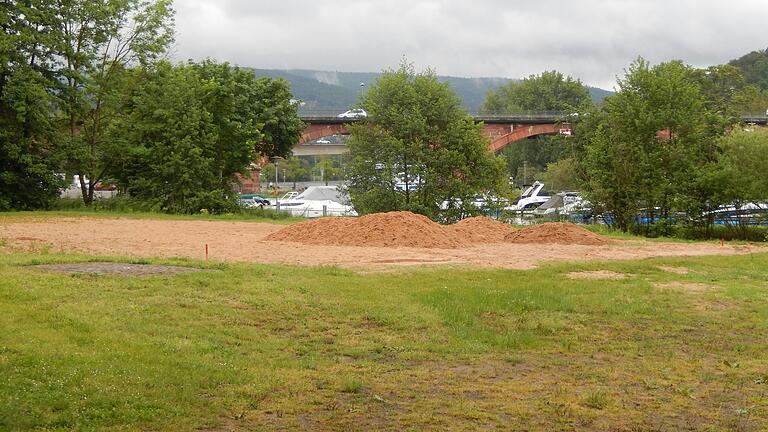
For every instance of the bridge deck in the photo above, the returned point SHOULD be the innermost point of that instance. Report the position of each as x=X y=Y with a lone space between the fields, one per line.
x=527 y=118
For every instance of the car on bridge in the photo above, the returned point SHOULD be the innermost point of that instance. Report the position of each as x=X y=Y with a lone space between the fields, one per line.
x=354 y=114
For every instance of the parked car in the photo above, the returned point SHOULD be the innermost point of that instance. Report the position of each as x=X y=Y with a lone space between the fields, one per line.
x=353 y=113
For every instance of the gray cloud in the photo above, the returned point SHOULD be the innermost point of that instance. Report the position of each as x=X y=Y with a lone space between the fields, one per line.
x=590 y=39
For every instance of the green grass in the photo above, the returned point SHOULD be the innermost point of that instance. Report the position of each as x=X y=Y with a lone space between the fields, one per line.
x=352 y=386
x=596 y=399
x=257 y=347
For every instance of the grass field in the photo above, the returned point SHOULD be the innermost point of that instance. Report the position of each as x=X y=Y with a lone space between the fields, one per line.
x=255 y=347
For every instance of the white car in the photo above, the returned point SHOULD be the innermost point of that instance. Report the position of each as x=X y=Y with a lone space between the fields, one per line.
x=353 y=113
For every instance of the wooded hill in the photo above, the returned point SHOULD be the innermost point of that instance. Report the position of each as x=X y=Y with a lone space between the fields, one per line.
x=754 y=68
x=337 y=91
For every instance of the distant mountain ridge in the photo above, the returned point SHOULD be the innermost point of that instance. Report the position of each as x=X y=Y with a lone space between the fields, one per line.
x=337 y=91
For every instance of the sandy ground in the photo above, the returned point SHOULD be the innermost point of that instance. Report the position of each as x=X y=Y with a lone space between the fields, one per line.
x=244 y=242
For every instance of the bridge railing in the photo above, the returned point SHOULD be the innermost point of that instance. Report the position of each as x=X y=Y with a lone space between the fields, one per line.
x=529 y=116
x=324 y=112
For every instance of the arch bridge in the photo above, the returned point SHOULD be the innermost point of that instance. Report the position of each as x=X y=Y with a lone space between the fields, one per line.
x=501 y=130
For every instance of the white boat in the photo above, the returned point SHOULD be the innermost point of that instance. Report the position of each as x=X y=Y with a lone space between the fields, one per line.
x=531 y=198
x=562 y=202
x=315 y=201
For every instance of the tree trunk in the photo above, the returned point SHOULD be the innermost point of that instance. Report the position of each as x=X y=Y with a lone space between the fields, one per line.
x=86 y=190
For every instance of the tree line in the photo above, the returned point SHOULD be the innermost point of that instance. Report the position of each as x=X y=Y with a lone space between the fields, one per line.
x=85 y=90
x=668 y=146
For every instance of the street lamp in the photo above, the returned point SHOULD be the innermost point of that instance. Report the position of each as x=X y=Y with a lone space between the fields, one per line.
x=277 y=170
x=276 y=159
x=362 y=87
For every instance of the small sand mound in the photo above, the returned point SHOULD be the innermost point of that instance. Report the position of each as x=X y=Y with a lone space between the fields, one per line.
x=558 y=233
x=480 y=229
x=401 y=229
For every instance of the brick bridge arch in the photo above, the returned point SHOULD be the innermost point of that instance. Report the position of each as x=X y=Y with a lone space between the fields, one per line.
x=316 y=131
x=501 y=135
x=520 y=132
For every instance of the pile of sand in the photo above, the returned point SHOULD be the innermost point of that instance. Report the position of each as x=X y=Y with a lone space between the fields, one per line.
x=398 y=229
x=406 y=229
x=480 y=229
x=557 y=233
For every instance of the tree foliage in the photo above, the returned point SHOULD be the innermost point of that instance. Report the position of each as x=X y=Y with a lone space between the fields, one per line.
x=94 y=43
x=751 y=100
x=187 y=130
x=418 y=148
x=754 y=67
x=743 y=164
x=27 y=150
x=562 y=175
x=644 y=150
x=527 y=159
x=549 y=91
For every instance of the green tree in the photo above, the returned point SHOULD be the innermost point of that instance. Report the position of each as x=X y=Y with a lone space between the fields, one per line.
x=94 y=43
x=549 y=91
x=751 y=100
x=754 y=67
x=27 y=146
x=528 y=159
x=644 y=148
x=254 y=116
x=742 y=165
x=328 y=170
x=296 y=169
x=562 y=175
x=719 y=85
x=188 y=130
x=418 y=148
x=169 y=142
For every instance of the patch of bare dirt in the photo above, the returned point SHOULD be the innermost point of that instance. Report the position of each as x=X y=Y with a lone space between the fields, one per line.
x=597 y=275
x=399 y=229
x=675 y=270
x=480 y=229
x=245 y=242
x=564 y=233
x=116 y=268
x=693 y=287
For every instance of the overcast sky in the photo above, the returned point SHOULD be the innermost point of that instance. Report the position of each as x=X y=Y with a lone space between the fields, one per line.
x=593 y=40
